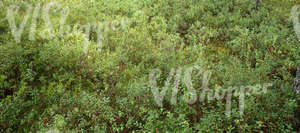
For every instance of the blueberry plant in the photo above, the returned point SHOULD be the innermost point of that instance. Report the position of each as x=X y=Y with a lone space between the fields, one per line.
x=84 y=65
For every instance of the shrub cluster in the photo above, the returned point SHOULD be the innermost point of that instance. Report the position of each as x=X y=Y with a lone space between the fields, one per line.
x=67 y=84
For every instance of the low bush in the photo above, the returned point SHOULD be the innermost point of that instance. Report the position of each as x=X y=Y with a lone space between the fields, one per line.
x=99 y=81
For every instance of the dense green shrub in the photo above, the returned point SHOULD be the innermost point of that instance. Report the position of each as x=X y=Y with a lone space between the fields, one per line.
x=67 y=84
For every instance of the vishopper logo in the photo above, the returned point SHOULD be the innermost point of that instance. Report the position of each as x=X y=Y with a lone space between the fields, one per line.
x=190 y=95
x=56 y=30
x=295 y=18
